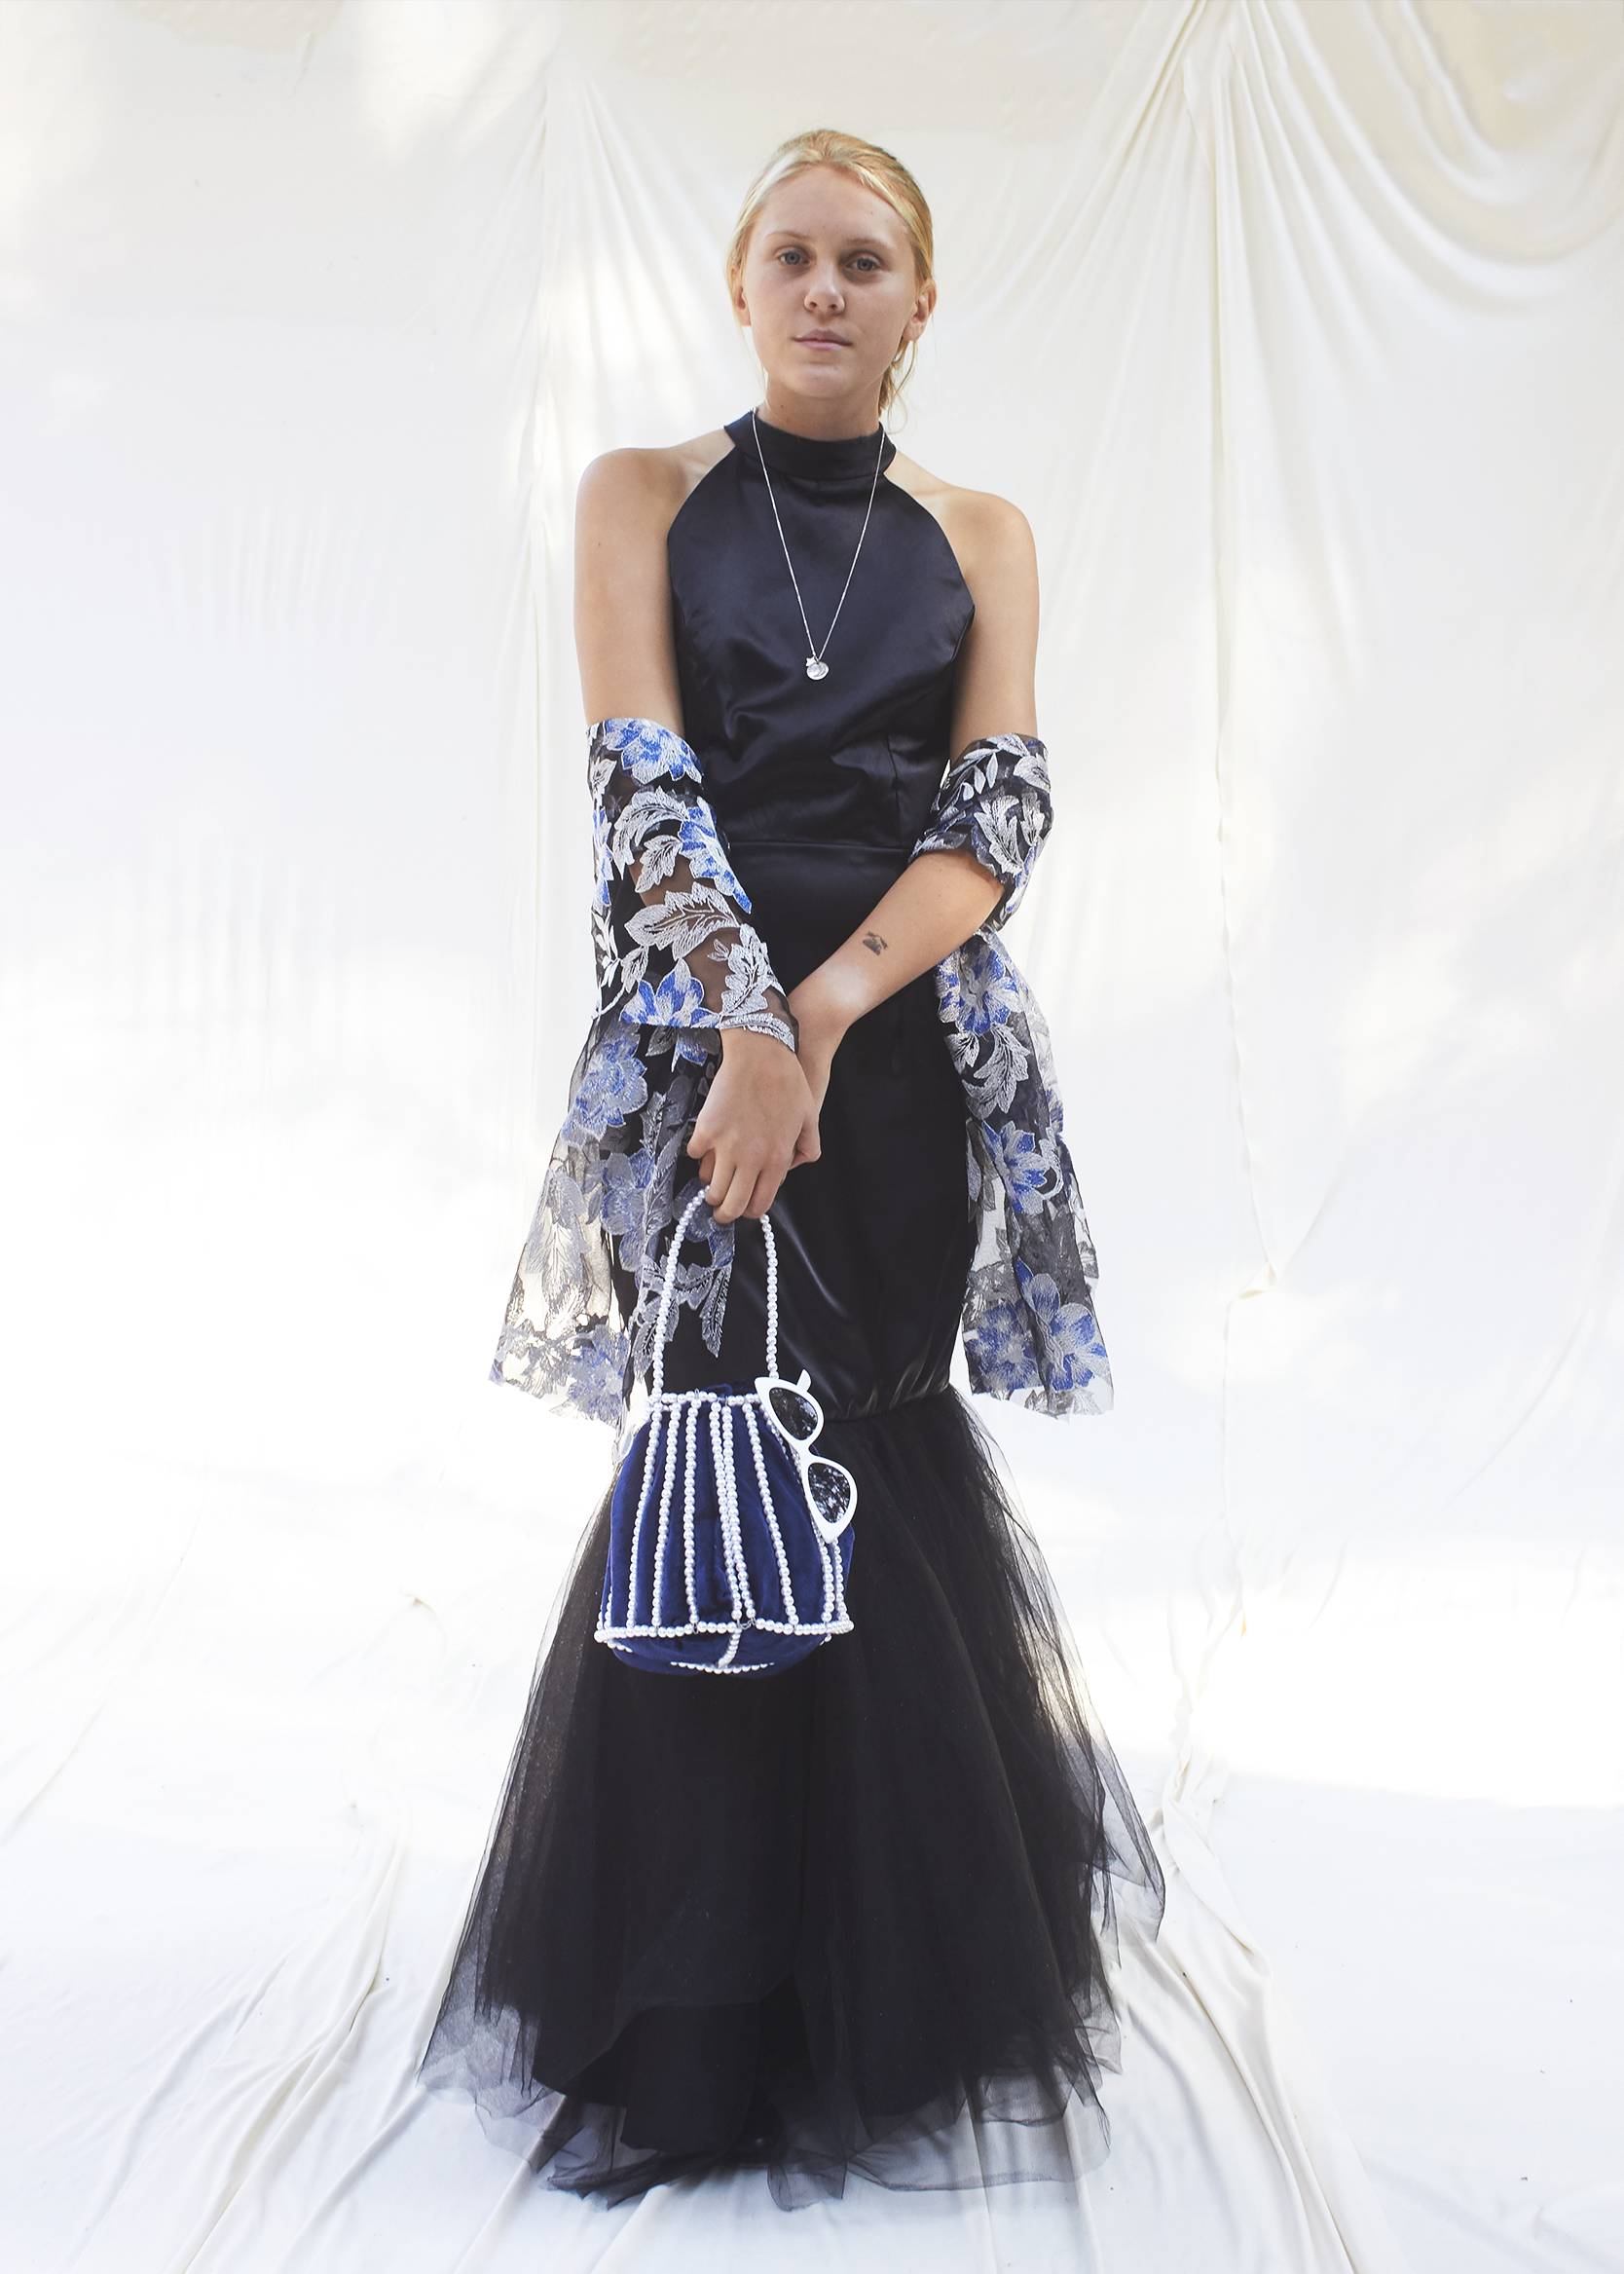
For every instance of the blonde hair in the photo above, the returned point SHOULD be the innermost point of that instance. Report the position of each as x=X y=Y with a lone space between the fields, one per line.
x=879 y=171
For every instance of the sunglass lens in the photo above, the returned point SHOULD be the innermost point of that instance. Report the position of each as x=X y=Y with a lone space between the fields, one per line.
x=832 y=1488
x=795 y=1416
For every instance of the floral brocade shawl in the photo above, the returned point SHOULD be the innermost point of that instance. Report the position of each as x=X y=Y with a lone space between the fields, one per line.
x=676 y=963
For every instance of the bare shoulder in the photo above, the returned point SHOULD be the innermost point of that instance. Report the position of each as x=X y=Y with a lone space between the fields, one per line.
x=991 y=539
x=628 y=493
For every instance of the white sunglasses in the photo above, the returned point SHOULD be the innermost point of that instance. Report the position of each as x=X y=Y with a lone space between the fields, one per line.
x=830 y=1490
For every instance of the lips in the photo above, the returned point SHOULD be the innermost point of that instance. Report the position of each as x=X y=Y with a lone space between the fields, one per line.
x=820 y=340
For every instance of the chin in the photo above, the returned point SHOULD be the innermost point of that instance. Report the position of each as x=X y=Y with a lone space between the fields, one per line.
x=812 y=378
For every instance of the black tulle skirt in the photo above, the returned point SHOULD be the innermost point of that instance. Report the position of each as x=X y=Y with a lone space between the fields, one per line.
x=816 y=1922
x=854 y=1915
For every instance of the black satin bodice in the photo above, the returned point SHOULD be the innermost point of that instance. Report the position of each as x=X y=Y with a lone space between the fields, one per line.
x=822 y=787
x=852 y=759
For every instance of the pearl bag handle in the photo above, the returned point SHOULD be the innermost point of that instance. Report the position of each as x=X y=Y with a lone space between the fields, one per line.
x=670 y=1289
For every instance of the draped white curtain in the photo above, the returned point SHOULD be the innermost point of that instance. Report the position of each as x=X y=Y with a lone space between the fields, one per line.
x=1296 y=327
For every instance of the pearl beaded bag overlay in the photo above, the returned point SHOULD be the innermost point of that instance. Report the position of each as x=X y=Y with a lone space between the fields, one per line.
x=730 y=1540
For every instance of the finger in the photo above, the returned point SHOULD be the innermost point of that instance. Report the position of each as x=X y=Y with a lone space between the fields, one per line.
x=767 y=1188
x=737 y=1197
x=809 y=1143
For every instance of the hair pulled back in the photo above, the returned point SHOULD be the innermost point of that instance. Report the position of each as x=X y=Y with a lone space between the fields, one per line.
x=877 y=171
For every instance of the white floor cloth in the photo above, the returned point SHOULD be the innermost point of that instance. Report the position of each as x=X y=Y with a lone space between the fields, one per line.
x=1298 y=331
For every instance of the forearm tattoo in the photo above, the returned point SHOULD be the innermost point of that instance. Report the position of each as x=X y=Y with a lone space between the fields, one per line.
x=874 y=944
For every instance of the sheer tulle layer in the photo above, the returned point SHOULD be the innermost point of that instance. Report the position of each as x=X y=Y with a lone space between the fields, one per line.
x=810 y=1923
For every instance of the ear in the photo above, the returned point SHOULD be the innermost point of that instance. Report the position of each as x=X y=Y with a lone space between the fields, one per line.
x=922 y=310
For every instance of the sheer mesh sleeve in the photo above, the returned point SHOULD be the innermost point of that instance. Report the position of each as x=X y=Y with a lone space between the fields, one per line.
x=1030 y=1333
x=995 y=803
x=674 y=948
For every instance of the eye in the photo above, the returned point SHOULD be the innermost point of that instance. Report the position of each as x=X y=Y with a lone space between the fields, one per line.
x=866 y=263
x=791 y=256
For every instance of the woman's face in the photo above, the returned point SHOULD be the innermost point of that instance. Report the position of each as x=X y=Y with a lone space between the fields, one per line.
x=829 y=290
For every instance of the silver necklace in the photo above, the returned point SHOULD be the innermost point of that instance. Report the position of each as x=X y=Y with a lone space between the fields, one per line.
x=816 y=667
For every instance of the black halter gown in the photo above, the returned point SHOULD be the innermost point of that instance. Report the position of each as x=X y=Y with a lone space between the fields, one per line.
x=810 y=1921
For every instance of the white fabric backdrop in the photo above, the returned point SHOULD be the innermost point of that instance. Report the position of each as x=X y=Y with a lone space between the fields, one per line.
x=1299 y=332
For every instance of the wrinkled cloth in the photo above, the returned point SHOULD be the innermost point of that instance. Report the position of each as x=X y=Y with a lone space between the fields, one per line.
x=678 y=962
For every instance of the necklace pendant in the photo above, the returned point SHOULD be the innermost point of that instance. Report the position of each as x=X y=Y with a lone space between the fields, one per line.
x=815 y=669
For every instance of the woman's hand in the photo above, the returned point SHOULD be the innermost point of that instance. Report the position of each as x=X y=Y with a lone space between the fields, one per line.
x=758 y=1121
x=821 y=1020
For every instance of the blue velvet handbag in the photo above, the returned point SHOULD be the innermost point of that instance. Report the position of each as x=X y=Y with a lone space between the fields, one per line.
x=730 y=1541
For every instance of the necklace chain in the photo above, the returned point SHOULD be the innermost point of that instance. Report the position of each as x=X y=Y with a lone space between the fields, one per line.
x=816 y=667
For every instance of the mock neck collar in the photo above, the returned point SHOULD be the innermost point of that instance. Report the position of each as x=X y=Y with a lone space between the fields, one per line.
x=799 y=458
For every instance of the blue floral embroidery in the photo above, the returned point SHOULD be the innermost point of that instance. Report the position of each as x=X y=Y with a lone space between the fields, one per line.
x=627 y=1179
x=610 y=1089
x=1031 y=1232
x=998 y=1346
x=995 y=803
x=1072 y=1347
x=1027 y=1163
x=666 y=890
x=678 y=1000
x=650 y=753
x=701 y=847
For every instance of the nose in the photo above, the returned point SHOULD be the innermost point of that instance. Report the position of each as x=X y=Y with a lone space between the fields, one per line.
x=823 y=286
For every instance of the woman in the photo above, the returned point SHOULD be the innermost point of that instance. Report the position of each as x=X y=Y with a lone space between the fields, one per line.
x=810 y=1921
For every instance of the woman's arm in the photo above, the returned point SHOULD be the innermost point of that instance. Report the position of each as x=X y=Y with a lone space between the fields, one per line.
x=943 y=896
x=934 y=905
x=624 y=508
x=759 y=1118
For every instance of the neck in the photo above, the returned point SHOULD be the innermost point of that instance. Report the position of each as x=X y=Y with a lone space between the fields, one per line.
x=841 y=419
